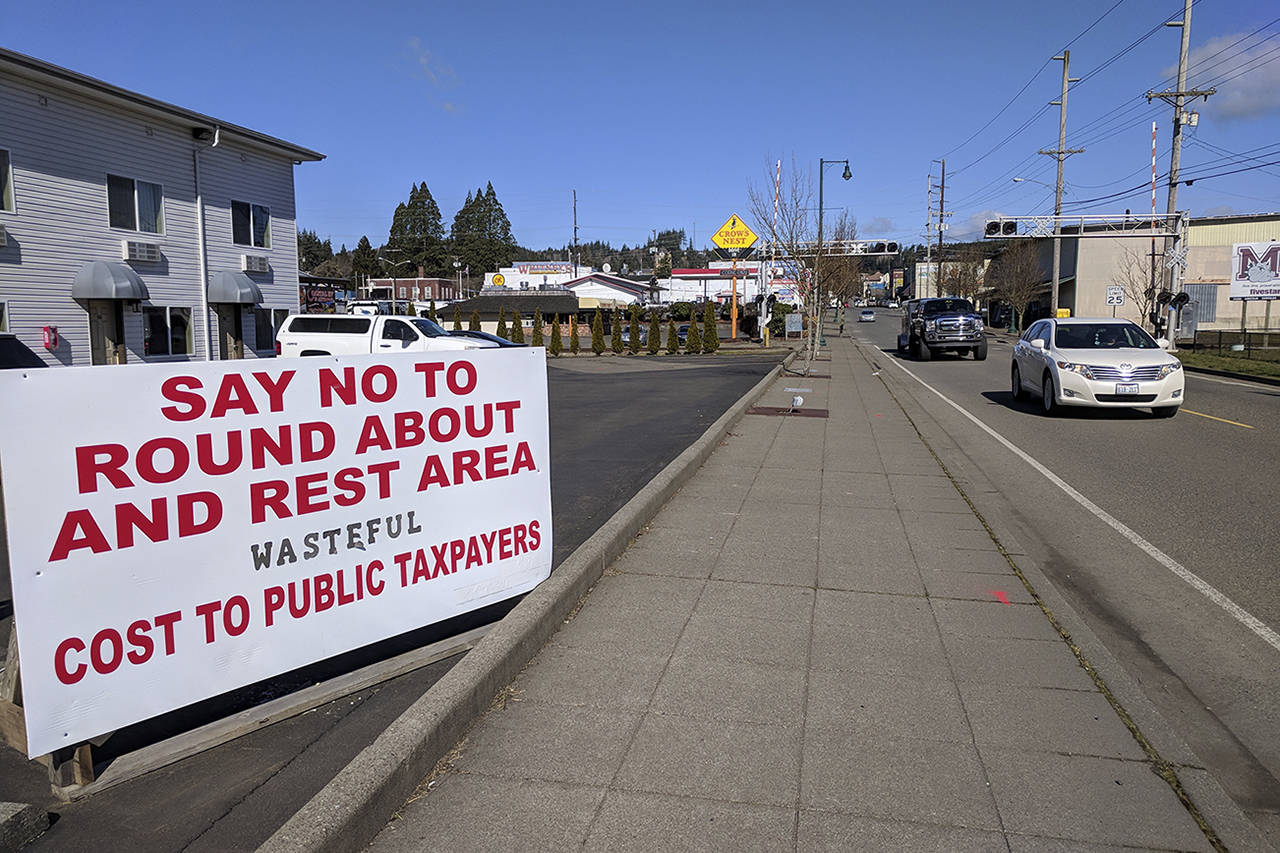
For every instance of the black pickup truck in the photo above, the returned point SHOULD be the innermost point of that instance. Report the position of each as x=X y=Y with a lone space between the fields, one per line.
x=937 y=325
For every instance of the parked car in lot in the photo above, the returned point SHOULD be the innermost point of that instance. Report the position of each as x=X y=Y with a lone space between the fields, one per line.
x=867 y=316
x=682 y=333
x=484 y=337
x=1107 y=363
x=644 y=335
x=339 y=334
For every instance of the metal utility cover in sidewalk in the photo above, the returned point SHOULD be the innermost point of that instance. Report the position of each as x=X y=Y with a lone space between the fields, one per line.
x=782 y=410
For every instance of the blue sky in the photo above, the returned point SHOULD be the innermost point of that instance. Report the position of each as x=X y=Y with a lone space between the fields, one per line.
x=660 y=114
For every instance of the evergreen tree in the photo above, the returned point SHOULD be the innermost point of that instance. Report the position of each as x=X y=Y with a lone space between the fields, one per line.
x=417 y=233
x=411 y=310
x=475 y=322
x=597 y=334
x=693 y=343
x=433 y=311
x=673 y=338
x=633 y=341
x=517 y=328
x=481 y=233
x=312 y=252
x=457 y=319
x=655 y=332
x=575 y=346
x=502 y=322
x=710 y=335
x=557 y=342
x=537 y=328
x=364 y=261
x=615 y=333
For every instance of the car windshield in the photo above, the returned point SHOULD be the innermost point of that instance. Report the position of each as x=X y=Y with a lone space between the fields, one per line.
x=1102 y=336
x=947 y=306
x=428 y=328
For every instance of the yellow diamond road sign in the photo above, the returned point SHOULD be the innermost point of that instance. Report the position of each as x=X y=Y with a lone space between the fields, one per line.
x=734 y=234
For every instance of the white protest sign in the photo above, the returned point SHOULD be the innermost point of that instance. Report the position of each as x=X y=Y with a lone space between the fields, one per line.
x=176 y=531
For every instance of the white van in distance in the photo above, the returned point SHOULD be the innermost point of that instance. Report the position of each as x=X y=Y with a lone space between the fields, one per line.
x=347 y=334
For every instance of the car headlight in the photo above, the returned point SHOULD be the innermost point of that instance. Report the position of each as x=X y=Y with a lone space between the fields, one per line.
x=930 y=325
x=1082 y=369
x=1169 y=369
x=977 y=324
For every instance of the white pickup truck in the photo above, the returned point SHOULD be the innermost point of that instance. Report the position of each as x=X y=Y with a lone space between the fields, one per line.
x=346 y=334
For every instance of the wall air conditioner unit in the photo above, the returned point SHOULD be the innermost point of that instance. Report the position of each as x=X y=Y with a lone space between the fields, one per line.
x=132 y=250
x=254 y=263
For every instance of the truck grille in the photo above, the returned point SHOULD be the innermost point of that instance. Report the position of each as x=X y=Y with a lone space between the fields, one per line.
x=954 y=325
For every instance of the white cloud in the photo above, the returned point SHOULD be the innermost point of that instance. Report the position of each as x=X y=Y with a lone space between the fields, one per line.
x=972 y=227
x=1221 y=210
x=1255 y=92
x=436 y=72
x=880 y=226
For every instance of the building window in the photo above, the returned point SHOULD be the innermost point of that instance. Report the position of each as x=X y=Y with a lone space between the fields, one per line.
x=4 y=316
x=404 y=292
x=250 y=225
x=166 y=331
x=6 y=182
x=267 y=321
x=135 y=205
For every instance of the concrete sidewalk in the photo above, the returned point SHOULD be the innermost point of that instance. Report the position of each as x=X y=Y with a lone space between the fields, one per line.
x=816 y=645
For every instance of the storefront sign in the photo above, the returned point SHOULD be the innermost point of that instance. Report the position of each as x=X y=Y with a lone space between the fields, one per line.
x=176 y=531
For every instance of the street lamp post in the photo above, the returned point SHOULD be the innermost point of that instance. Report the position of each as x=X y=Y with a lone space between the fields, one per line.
x=394 y=280
x=457 y=266
x=818 y=284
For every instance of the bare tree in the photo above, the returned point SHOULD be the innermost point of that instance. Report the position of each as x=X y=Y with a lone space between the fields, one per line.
x=842 y=274
x=1134 y=275
x=965 y=276
x=1015 y=276
x=781 y=208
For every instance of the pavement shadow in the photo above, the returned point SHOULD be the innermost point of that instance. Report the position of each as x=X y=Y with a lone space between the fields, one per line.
x=1032 y=406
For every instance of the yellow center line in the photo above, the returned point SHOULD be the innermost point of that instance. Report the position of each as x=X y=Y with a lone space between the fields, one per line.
x=1215 y=418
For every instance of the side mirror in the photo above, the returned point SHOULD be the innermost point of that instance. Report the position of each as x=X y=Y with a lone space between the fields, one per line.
x=1037 y=344
x=1163 y=343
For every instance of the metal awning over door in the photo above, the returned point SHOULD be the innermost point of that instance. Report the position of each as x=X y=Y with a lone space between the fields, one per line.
x=108 y=280
x=234 y=287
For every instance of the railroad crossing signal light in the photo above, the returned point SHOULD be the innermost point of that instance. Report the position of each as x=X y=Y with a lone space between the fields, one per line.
x=1009 y=227
x=993 y=228
x=1001 y=228
x=1165 y=297
x=876 y=248
x=891 y=247
x=1181 y=299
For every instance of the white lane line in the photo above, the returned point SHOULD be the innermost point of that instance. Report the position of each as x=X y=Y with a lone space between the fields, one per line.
x=1197 y=583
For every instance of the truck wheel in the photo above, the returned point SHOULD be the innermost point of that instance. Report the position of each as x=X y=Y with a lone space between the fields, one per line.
x=923 y=352
x=902 y=345
x=980 y=351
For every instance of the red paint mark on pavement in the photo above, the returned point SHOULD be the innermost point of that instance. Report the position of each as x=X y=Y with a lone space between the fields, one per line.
x=878 y=415
x=1000 y=596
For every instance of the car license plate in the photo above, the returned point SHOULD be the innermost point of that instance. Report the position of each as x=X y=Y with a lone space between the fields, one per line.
x=1127 y=388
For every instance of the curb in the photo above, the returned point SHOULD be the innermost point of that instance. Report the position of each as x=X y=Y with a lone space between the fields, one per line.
x=1243 y=377
x=20 y=824
x=355 y=805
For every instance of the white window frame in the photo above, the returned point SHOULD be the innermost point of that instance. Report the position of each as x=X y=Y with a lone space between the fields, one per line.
x=8 y=196
x=253 y=208
x=137 y=213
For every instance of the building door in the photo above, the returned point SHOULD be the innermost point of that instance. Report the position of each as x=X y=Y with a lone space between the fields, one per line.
x=230 y=332
x=106 y=331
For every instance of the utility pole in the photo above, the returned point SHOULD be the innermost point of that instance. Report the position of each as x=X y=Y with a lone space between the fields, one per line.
x=1180 y=117
x=942 y=226
x=1061 y=154
x=575 y=234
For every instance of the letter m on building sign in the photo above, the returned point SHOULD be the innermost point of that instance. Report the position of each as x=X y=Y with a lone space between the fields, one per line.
x=1252 y=266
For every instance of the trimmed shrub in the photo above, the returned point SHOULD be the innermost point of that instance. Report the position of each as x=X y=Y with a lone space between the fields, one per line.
x=655 y=332
x=538 y=339
x=575 y=346
x=681 y=311
x=710 y=334
x=673 y=338
x=778 y=325
x=432 y=315
x=475 y=322
x=615 y=334
x=633 y=342
x=517 y=328
x=457 y=319
x=693 y=343
x=502 y=322
x=597 y=334
x=411 y=311
x=557 y=342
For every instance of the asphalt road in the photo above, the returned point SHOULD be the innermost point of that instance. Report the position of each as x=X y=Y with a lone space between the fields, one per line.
x=615 y=422
x=1202 y=488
